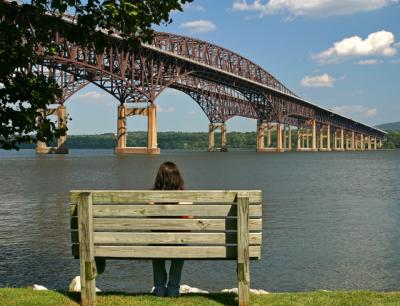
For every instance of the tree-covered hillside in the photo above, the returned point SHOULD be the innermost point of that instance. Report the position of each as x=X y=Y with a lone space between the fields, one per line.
x=188 y=140
x=393 y=126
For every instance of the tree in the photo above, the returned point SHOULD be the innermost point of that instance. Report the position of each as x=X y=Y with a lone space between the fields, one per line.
x=24 y=92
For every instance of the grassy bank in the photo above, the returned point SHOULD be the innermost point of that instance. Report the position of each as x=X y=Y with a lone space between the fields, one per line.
x=25 y=296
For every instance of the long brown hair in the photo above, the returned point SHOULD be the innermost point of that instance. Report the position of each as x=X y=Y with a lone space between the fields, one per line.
x=168 y=177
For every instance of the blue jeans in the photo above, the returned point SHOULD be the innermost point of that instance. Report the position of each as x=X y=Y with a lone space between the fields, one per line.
x=160 y=277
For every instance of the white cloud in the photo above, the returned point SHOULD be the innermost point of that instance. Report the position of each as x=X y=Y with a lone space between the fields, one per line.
x=92 y=95
x=369 y=62
x=356 y=111
x=242 y=5
x=323 y=80
x=313 y=8
x=95 y=97
x=165 y=110
x=198 y=26
x=193 y=7
x=378 y=44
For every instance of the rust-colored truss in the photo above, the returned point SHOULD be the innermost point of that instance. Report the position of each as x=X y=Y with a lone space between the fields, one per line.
x=223 y=83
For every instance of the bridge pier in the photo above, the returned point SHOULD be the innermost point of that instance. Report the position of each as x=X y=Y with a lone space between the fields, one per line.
x=375 y=144
x=380 y=143
x=314 y=135
x=211 y=140
x=362 y=145
x=124 y=112
x=325 y=138
x=369 y=144
x=339 y=139
x=287 y=138
x=349 y=141
x=356 y=141
x=61 y=113
x=280 y=140
x=360 y=142
x=303 y=138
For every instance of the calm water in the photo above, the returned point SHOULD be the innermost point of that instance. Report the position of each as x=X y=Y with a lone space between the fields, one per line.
x=331 y=220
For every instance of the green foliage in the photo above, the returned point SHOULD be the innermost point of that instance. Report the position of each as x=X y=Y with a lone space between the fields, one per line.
x=393 y=126
x=168 y=140
x=24 y=92
x=393 y=140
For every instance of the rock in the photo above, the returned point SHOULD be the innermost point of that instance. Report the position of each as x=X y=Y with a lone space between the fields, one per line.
x=253 y=291
x=75 y=285
x=38 y=287
x=233 y=290
x=188 y=289
x=258 y=291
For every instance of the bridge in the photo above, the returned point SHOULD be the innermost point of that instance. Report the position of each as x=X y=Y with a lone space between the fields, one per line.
x=223 y=83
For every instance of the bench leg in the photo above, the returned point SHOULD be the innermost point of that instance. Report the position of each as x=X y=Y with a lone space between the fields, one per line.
x=86 y=250
x=243 y=283
x=88 y=283
x=243 y=264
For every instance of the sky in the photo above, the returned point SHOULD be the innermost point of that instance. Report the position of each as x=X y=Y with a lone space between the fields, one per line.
x=343 y=55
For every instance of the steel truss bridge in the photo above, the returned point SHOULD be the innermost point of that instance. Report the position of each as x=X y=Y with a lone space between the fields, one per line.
x=222 y=82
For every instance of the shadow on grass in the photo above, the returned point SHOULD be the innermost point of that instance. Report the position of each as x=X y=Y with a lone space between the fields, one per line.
x=74 y=296
x=222 y=298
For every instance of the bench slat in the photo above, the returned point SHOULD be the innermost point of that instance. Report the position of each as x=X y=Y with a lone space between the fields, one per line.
x=166 y=224
x=188 y=252
x=170 y=196
x=171 y=238
x=146 y=210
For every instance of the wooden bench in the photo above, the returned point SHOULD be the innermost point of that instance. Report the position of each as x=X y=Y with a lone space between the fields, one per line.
x=117 y=224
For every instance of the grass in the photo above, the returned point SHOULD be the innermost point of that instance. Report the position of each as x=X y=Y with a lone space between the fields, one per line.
x=28 y=297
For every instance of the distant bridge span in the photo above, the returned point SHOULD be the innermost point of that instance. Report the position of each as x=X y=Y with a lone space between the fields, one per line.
x=222 y=82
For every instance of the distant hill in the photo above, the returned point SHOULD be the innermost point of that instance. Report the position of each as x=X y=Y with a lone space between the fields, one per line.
x=393 y=126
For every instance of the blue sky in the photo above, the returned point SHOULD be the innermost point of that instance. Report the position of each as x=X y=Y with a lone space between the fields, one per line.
x=343 y=55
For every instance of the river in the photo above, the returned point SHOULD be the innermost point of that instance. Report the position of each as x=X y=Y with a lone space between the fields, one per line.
x=331 y=220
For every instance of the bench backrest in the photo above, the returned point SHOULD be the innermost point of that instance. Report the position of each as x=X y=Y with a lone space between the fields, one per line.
x=124 y=224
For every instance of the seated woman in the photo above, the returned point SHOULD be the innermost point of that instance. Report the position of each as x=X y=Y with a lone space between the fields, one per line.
x=168 y=178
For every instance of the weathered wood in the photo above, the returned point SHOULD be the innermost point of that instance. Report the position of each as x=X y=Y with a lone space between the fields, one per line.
x=172 y=238
x=188 y=252
x=255 y=254
x=146 y=210
x=169 y=224
x=169 y=196
x=225 y=224
x=86 y=250
x=243 y=251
